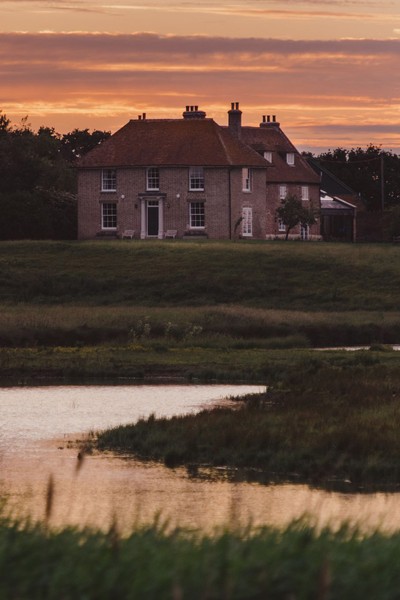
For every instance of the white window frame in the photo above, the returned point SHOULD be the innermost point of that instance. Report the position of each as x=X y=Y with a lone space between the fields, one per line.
x=304 y=231
x=281 y=225
x=247 y=221
x=290 y=159
x=196 y=179
x=152 y=179
x=246 y=179
x=268 y=156
x=109 y=216
x=305 y=193
x=283 y=192
x=108 y=180
x=197 y=215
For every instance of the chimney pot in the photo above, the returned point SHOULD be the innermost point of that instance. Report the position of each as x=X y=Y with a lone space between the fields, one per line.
x=232 y=106
x=193 y=112
x=274 y=118
x=144 y=116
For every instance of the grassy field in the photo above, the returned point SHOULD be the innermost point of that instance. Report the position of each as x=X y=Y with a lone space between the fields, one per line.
x=151 y=563
x=208 y=295
x=215 y=311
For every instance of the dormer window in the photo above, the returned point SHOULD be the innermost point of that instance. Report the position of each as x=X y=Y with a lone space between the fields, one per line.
x=196 y=179
x=290 y=158
x=108 y=180
x=268 y=156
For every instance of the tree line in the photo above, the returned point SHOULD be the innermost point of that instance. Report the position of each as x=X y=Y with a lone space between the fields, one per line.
x=38 y=181
x=372 y=172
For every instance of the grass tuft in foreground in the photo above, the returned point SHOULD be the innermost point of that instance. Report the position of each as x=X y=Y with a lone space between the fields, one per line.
x=151 y=563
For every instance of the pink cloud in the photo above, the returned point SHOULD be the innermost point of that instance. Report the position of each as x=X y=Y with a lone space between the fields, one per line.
x=106 y=78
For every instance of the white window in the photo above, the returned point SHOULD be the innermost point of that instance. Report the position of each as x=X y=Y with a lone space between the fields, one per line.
x=246 y=179
x=282 y=192
x=196 y=179
x=197 y=215
x=290 y=158
x=281 y=225
x=152 y=178
x=305 y=193
x=108 y=180
x=304 y=231
x=109 y=215
x=247 y=221
x=268 y=156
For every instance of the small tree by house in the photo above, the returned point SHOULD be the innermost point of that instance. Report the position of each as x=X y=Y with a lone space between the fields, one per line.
x=293 y=213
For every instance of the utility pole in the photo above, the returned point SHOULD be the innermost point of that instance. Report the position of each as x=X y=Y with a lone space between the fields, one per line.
x=382 y=183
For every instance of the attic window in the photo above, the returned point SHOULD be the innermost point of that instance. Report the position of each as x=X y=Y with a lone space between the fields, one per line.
x=290 y=158
x=268 y=156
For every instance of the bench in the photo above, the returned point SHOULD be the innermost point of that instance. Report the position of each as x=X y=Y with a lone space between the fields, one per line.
x=128 y=234
x=171 y=233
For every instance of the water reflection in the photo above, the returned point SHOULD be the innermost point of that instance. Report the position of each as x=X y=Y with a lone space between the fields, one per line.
x=37 y=423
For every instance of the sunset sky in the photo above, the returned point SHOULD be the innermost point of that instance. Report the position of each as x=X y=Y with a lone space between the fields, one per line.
x=329 y=69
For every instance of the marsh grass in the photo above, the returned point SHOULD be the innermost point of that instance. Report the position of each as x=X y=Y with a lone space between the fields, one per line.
x=324 y=423
x=146 y=360
x=38 y=563
x=225 y=326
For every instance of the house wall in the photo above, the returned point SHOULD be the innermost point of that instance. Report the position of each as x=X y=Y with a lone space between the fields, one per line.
x=174 y=187
x=223 y=198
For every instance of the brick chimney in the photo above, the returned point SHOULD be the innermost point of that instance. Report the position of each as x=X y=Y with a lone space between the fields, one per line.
x=193 y=112
x=235 y=119
x=269 y=121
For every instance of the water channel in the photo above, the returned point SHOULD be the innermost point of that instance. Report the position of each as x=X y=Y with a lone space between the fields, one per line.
x=38 y=430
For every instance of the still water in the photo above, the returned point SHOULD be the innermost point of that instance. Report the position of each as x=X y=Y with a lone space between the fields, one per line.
x=38 y=430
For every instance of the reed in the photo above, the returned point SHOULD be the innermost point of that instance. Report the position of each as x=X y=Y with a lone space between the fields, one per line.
x=38 y=563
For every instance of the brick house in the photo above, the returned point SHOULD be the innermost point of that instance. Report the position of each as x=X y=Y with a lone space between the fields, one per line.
x=191 y=177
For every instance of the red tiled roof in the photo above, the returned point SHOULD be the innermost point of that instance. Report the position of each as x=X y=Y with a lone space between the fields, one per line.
x=164 y=142
x=272 y=139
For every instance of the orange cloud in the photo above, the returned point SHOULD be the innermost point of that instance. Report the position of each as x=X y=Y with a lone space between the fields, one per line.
x=320 y=90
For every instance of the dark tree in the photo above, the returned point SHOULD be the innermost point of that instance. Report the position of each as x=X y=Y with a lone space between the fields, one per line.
x=372 y=172
x=79 y=141
x=293 y=213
